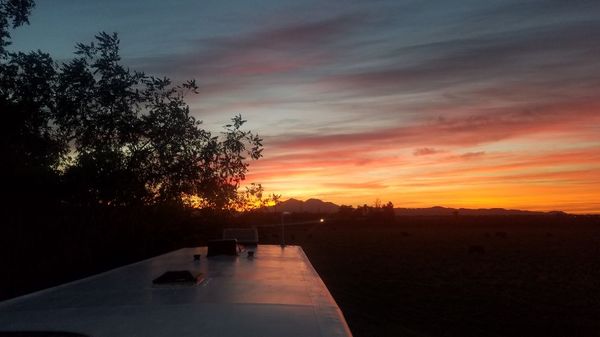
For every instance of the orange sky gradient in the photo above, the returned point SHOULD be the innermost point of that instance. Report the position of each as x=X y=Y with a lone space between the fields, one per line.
x=550 y=164
x=422 y=103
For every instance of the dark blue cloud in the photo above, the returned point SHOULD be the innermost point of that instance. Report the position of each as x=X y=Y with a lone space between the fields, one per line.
x=390 y=59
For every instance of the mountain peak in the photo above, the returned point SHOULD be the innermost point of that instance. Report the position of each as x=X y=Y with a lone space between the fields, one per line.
x=311 y=205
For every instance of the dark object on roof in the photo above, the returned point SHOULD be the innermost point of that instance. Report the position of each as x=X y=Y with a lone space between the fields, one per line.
x=40 y=334
x=222 y=247
x=179 y=277
x=248 y=236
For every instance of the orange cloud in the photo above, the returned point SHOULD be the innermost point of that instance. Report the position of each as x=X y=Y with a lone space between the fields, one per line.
x=555 y=179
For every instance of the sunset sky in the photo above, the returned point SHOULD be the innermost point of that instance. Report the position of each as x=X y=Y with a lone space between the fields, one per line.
x=423 y=103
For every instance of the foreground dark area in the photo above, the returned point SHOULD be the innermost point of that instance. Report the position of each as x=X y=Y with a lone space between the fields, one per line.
x=46 y=247
x=408 y=276
x=464 y=276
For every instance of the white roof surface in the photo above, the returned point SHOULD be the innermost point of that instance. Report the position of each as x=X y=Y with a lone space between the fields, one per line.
x=276 y=293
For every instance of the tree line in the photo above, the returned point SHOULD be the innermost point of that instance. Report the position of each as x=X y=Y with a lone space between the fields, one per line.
x=377 y=211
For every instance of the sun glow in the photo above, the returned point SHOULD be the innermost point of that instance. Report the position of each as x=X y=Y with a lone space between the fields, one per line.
x=552 y=179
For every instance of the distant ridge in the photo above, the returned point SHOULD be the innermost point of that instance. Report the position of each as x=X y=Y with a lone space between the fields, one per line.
x=309 y=206
x=438 y=210
x=319 y=206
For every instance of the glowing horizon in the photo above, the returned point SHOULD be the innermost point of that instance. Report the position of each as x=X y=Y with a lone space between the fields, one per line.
x=464 y=104
x=522 y=184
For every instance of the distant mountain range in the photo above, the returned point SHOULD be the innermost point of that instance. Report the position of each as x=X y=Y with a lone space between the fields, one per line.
x=438 y=210
x=319 y=206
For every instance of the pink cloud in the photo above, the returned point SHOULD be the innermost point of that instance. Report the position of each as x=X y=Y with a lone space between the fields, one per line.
x=268 y=51
x=425 y=151
x=486 y=127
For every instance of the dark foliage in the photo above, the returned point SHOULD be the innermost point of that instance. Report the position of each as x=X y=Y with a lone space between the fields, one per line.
x=93 y=132
x=98 y=162
x=377 y=212
x=28 y=145
x=13 y=13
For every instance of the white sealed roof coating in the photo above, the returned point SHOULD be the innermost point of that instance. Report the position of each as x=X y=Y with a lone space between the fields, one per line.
x=276 y=293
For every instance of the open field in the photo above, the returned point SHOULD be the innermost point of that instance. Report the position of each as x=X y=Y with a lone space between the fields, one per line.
x=464 y=276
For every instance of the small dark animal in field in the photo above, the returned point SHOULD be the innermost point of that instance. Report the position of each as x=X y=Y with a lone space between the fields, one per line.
x=476 y=249
x=501 y=234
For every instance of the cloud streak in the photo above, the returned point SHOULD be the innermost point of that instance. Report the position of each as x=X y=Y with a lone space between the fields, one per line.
x=489 y=103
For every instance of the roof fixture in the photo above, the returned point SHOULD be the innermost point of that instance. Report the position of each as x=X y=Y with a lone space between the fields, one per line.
x=222 y=247
x=177 y=278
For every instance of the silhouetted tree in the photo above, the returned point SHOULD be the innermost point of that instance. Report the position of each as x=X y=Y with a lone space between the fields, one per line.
x=30 y=148
x=13 y=13
x=133 y=139
x=388 y=211
x=113 y=136
x=253 y=198
x=376 y=212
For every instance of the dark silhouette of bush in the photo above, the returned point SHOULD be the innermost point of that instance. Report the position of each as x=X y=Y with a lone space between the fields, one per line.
x=377 y=212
